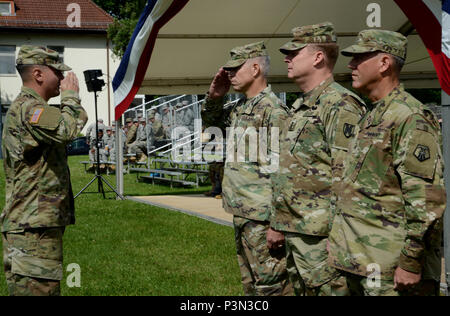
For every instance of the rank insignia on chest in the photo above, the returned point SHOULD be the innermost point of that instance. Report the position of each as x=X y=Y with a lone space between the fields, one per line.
x=36 y=115
x=348 y=130
x=422 y=152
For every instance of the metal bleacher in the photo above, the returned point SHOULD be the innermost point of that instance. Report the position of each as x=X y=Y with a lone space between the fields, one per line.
x=182 y=159
x=163 y=165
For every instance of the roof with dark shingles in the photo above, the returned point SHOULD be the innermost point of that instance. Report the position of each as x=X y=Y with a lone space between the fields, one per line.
x=53 y=14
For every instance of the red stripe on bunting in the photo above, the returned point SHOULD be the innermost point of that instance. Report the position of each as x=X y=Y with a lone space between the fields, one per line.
x=144 y=61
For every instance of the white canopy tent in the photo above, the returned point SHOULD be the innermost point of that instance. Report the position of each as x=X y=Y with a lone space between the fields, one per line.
x=192 y=46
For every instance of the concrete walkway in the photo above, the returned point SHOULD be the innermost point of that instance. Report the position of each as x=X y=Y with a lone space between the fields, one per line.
x=193 y=204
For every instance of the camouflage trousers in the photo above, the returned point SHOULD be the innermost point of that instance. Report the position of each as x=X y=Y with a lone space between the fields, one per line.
x=308 y=269
x=361 y=286
x=263 y=271
x=216 y=170
x=102 y=155
x=33 y=261
x=112 y=154
x=138 y=147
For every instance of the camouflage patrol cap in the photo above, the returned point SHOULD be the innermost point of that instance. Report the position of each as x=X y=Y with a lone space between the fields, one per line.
x=378 y=40
x=240 y=54
x=128 y=120
x=38 y=55
x=310 y=34
x=184 y=103
x=108 y=128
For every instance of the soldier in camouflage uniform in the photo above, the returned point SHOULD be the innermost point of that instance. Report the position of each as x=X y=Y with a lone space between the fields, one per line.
x=110 y=143
x=157 y=131
x=127 y=126
x=179 y=114
x=149 y=131
x=90 y=132
x=313 y=146
x=188 y=116
x=39 y=199
x=101 y=149
x=392 y=200
x=140 y=145
x=131 y=138
x=246 y=185
x=166 y=121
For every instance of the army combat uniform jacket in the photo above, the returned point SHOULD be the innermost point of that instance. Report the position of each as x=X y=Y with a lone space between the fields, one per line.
x=314 y=143
x=157 y=131
x=141 y=135
x=246 y=187
x=35 y=135
x=392 y=200
x=132 y=134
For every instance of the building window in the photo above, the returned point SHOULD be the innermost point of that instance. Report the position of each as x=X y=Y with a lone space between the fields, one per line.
x=7 y=8
x=7 y=60
x=60 y=50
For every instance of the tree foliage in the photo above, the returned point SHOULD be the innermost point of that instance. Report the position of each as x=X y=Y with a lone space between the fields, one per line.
x=126 y=15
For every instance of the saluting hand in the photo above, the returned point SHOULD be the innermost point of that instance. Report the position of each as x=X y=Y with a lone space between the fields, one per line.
x=70 y=82
x=220 y=85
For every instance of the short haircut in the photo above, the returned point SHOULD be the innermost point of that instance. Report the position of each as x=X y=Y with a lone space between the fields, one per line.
x=330 y=50
x=398 y=63
x=25 y=71
x=264 y=64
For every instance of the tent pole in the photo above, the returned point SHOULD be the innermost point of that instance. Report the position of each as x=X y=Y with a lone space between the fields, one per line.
x=446 y=144
x=119 y=157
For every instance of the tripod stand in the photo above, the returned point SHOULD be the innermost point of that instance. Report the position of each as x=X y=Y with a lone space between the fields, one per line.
x=97 y=169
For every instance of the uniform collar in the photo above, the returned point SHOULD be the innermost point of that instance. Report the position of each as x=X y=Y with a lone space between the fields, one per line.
x=380 y=107
x=30 y=91
x=248 y=104
x=310 y=98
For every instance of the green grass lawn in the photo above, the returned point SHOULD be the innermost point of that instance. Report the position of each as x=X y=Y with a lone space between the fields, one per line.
x=129 y=248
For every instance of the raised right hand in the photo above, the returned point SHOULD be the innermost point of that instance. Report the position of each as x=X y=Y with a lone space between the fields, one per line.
x=220 y=85
x=70 y=82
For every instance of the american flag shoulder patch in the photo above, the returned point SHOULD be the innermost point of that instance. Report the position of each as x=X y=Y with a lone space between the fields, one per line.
x=36 y=115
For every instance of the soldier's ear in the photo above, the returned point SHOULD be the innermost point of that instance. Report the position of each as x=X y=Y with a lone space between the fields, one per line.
x=37 y=73
x=319 y=57
x=385 y=63
x=256 y=70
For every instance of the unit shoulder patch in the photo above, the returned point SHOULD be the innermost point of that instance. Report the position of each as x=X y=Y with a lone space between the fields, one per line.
x=348 y=130
x=422 y=153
